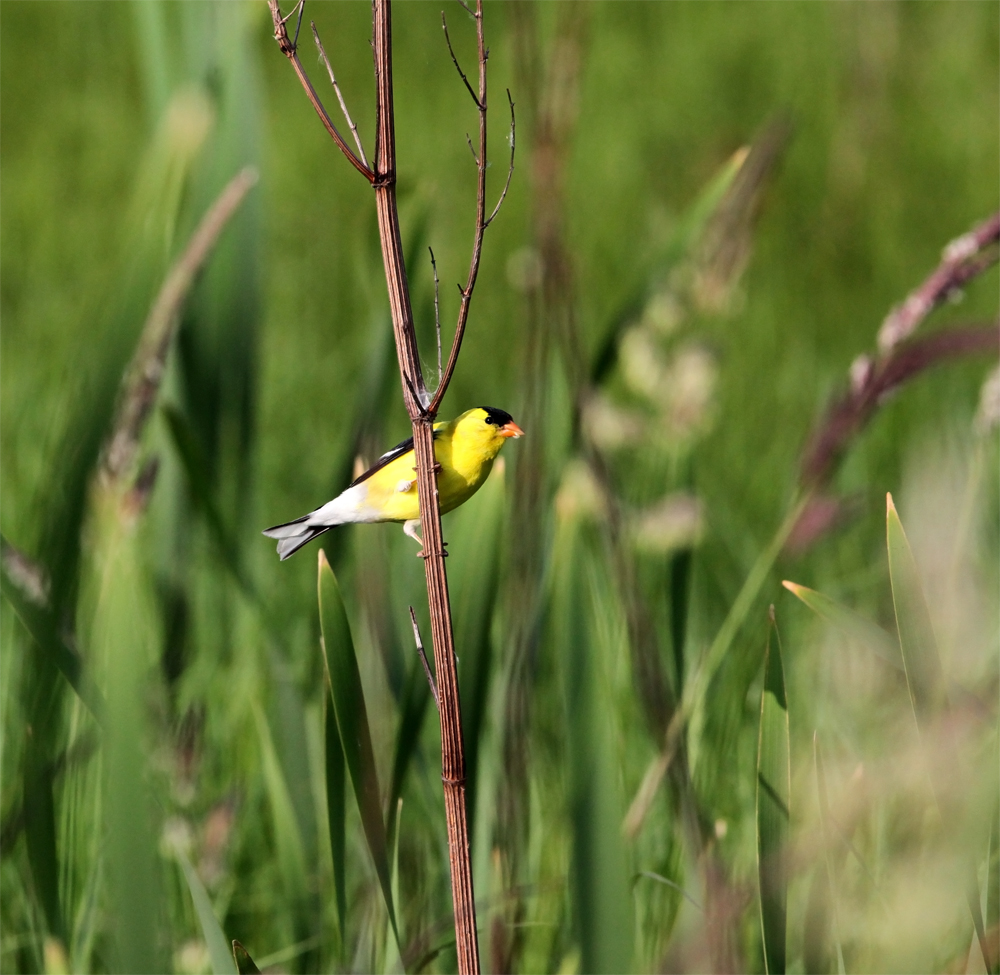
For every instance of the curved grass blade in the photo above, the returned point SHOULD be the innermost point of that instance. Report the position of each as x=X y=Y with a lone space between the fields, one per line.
x=244 y=963
x=287 y=835
x=124 y=628
x=773 y=796
x=336 y=813
x=833 y=861
x=853 y=625
x=352 y=723
x=477 y=561
x=925 y=678
x=223 y=962
x=601 y=892
x=196 y=467
x=41 y=625
x=993 y=897
x=413 y=708
x=689 y=229
x=680 y=597
x=816 y=927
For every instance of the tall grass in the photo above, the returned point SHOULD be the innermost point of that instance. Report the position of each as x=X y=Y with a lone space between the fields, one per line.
x=174 y=773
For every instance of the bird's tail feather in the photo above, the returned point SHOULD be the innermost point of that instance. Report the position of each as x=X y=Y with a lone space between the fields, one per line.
x=289 y=546
x=294 y=534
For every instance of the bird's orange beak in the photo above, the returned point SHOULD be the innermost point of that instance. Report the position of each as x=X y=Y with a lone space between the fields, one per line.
x=511 y=429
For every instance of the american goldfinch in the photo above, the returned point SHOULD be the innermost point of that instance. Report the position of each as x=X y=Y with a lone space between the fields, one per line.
x=464 y=447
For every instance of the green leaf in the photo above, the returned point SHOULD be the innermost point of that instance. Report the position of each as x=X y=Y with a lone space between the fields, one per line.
x=287 y=835
x=474 y=573
x=352 y=723
x=773 y=796
x=833 y=857
x=688 y=229
x=584 y=643
x=993 y=896
x=853 y=625
x=41 y=625
x=124 y=630
x=924 y=677
x=244 y=963
x=336 y=812
x=413 y=708
x=218 y=949
x=815 y=934
x=680 y=597
x=693 y=700
x=196 y=467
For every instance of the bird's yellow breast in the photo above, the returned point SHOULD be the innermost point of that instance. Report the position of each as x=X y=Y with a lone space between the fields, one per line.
x=466 y=462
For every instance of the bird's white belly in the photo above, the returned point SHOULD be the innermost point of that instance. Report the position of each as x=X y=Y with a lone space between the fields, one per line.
x=349 y=507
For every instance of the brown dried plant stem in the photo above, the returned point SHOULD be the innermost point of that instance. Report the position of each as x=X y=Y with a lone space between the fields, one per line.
x=422 y=406
x=442 y=636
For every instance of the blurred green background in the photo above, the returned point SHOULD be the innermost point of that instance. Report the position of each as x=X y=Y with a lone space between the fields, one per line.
x=666 y=329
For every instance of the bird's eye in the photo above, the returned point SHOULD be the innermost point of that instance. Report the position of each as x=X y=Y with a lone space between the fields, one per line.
x=489 y=419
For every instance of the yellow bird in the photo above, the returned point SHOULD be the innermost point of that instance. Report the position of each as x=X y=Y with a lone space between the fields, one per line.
x=464 y=447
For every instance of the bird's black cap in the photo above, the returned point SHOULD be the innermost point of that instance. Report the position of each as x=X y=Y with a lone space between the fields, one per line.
x=495 y=416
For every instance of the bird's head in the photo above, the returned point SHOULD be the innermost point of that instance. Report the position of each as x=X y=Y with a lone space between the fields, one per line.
x=486 y=428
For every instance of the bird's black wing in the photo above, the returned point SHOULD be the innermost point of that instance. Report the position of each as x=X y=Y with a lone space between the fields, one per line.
x=403 y=447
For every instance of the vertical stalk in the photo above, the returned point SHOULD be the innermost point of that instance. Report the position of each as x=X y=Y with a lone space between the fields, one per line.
x=452 y=751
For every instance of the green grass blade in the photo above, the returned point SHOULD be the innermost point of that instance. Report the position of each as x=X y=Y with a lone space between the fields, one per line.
x=220 y=332
x=679 y=244
x=41 y=625
x=336 y=812
x=352 y=722
x=815 y=934
x=693 y=701
x=476 y=553
x=832 y=859
x=244 y=963
x=993 y=896
x=602 y=896
x=680 y=597
x=393 y=958
x=223 y=962
x=413 y=708
x=124 y=631
x=853 y=625
x=196 y=467
x=773 y=797
x=287 y=836
x=39 y=806
x=924 y=676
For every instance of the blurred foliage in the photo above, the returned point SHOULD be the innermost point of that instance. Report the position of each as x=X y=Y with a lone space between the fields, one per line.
x=714 y=207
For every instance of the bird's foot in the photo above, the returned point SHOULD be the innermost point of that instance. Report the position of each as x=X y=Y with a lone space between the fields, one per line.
x=410 y=528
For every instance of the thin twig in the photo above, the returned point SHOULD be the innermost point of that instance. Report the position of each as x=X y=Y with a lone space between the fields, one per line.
x=437 y=308
x=423 y=658
x=145 y=374
x=340 y=98
x=472 y=149
x=454 y=60
x=417 y=398
x=510 y=168
x=477 y=243
x=298 y=23
x=298 y=6
x=287 y=48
